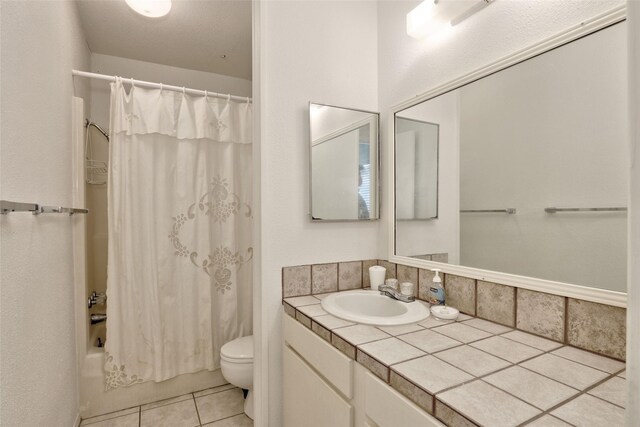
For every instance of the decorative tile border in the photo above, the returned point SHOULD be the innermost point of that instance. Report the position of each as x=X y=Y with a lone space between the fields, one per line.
x=598 y=328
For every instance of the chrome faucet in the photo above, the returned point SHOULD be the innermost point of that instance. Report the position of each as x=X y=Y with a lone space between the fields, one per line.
x=392 y=293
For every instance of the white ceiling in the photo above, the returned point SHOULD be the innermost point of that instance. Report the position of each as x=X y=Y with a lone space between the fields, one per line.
x=193 y=35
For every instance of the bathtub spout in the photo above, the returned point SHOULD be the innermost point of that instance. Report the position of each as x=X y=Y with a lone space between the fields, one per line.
x=98 y=318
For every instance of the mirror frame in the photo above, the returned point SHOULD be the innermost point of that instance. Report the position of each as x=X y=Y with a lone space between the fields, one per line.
x=603 y=296
x=377 y=152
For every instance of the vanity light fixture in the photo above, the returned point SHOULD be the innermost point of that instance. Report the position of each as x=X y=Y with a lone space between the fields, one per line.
x=433 y=16
x=150 y=8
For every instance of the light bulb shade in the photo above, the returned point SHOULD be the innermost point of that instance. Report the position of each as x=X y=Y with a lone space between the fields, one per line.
x=420 y=20
x=432 y=16
x=150 y=8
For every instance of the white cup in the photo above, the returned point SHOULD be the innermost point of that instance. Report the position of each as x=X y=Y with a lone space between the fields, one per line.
x=376 y=276
x=406 y=288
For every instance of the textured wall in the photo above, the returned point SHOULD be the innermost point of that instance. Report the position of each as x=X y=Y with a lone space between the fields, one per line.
x=41 y=43
x=324 y=52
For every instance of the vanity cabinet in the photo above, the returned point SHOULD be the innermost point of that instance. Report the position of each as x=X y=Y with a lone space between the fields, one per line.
x=325 y=388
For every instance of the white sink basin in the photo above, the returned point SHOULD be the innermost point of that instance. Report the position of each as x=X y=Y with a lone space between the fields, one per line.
x=371 y=308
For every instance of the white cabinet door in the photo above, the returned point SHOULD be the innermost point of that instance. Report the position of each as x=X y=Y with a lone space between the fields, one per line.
x=388 y=408
x=308 y=400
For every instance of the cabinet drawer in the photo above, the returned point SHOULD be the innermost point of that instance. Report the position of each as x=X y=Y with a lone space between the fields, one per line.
x=308 y=400
x=334 y=366
x=388 y=408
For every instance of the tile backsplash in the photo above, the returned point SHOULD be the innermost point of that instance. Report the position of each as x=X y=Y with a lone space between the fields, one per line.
x=591 y=326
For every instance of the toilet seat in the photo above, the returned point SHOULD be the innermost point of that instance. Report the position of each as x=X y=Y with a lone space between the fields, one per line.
x=239 y=350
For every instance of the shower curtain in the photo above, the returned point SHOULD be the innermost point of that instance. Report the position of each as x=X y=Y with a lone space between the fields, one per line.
x=179 y=221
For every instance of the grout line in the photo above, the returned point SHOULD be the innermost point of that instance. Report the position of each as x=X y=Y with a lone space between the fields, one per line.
x=515 y=307
x=565 y=324
x=580 y=363
x=140 y=416
x=193 y=396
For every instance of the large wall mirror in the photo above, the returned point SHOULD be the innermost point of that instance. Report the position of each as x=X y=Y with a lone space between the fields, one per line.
x=528 y=168
x=344 y=163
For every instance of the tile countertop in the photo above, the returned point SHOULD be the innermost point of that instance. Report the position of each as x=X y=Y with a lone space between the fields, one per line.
x=472 y=372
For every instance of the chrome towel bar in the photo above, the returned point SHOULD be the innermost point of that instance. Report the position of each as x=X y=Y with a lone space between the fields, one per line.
x=509 y=211
x=554 y=210
x=7 y=206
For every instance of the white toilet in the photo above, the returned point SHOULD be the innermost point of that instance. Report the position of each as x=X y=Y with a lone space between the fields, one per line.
x=237 y=367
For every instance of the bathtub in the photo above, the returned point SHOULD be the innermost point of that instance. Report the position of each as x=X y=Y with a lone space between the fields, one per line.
x=94 y=400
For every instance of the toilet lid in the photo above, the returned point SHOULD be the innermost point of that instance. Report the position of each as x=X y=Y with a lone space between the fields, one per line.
x=238 y=349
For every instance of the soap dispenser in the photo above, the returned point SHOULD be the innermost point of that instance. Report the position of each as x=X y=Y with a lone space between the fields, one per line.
x=436 y=290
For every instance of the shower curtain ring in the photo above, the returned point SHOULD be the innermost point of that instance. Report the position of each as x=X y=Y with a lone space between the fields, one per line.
x=206 y=94
x=228 y=97
x=161 y=87
x=132 y=85
x=184 y=91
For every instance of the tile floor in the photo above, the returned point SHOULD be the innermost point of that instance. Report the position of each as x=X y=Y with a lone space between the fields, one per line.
x=215 y=407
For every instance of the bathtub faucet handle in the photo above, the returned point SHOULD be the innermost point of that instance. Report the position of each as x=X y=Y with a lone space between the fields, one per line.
x=97 y=299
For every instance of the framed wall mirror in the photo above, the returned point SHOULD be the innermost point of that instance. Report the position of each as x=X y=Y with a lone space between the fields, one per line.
x=531 y=169
x=343 y=164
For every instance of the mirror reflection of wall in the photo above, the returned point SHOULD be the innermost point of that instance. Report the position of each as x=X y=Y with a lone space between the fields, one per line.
x=548 y=132
x=416 y=169
x=344 y=153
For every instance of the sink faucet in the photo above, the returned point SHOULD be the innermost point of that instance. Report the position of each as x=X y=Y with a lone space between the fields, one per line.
x=392 y=293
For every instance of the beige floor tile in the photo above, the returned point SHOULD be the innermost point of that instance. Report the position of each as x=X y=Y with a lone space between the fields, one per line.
x=181 y=414
x=566 y=371
x=548 y=421
x=613 y=390
x=461 y=332
x=237 y=421
x=214 y=390
x=488 y=405
x=110 y=415
x=533 y=388
x=472 y=360
x=588 y=411
x=214 y=407
x=166 y=401
x=509 y=350
x=590 y=359
x=130 y=420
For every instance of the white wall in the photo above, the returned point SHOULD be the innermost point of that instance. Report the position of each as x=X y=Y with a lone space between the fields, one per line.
x=408 y=67
x=148 y=71
x=319 y=51
x=633 y=307
x=41 y=43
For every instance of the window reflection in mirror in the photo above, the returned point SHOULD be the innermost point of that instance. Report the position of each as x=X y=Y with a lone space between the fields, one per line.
x=344 y=163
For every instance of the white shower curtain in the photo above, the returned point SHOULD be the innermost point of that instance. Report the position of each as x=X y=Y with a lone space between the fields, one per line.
x=179 y=260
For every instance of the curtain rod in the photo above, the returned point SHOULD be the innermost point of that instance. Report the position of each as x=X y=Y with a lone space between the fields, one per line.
x=160 y=86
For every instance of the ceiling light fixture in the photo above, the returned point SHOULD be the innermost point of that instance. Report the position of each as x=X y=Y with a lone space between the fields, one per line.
x=150 y=8
x=433 y=16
